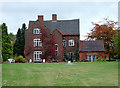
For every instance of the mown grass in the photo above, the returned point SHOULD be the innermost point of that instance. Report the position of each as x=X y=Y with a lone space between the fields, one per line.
x=0 y=75
x=60 y=74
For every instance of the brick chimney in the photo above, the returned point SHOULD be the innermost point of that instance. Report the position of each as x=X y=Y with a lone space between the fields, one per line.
x=40 y=18
x=54 y=17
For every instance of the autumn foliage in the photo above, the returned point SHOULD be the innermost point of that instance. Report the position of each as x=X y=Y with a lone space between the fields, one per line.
x=104 y=31
x=48 y=45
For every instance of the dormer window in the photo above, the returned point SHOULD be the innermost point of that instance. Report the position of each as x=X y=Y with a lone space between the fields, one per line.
x=37 y=31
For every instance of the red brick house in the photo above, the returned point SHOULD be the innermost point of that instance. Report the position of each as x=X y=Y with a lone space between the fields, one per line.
x=64 y=32
x=90 y=50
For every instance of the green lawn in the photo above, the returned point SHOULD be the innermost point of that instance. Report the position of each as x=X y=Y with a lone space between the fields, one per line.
x=60 y=74
x=0 y=75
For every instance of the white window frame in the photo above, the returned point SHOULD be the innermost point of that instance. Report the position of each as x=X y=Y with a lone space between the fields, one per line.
x=94 y=57
x=64 y=43
x=71 y=42
x=91 y=58
x=56 y=45
x=37 y=42
x=37 y=56
x=37 y=31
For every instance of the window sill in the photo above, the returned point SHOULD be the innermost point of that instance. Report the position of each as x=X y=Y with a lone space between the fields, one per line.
x=71 y=46
x=37 y=34
x=37 y=46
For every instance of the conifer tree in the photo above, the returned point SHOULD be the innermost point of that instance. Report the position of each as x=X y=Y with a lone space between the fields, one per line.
x=7 y=47
x=17 y=45
x=18 y=48
x=23 y=39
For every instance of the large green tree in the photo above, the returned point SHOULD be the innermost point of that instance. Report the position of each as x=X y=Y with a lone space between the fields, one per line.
x=18 y=48
x=7 y=47
x=12 y=37
x=23 y=38
x=0 y=44
x=117 y=45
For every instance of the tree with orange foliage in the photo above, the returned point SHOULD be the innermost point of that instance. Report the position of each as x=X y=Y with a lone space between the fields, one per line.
x=104 y=31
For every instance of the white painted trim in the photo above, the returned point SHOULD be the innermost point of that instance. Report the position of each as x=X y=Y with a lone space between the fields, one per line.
x=71 y=41
x=37 y=54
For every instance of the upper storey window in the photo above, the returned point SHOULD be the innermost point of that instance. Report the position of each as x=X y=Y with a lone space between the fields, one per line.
x=64 y=43
x=37 y=31
x=37 y=42
x=71 y=42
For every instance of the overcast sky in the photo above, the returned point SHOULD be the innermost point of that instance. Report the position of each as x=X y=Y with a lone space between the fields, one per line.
x=14 y=14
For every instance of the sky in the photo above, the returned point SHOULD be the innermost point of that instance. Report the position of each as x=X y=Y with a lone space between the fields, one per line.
x=14 y=14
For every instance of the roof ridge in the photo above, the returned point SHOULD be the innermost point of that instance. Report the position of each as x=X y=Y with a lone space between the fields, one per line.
x=56 y=21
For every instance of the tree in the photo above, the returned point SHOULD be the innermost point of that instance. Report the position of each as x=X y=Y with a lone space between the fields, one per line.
x=104 y=31
x=18 y=48
x=23 y=39
x=17 y=45
x=117 y=45
x=0 y=44
x=7 y=47
x=12 y=37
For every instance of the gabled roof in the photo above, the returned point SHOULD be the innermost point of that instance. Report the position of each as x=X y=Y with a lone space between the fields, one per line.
x=65 y=26
x=94 y=45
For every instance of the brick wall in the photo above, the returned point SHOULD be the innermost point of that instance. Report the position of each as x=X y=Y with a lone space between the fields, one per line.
x=83 y=55
x=74 y=48
x=58 y=40
x=30 y=36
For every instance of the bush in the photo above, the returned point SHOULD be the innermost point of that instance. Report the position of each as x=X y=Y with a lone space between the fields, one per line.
x=67 y=57
x=100 y=59
x=82 y=60
x=20 y=59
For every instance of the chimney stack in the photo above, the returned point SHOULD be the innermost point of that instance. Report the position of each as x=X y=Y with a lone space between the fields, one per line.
x=54 y=17
x=40 y=18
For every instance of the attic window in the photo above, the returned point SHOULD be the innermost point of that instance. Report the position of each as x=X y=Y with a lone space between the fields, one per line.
x=37 y=31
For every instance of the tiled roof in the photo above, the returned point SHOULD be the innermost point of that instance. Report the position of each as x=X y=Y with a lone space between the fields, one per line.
x=95 y=45
x=65 y=26
x=68 y=33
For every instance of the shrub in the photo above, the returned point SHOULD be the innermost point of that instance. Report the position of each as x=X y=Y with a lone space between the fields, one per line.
x=74 y=56
x=100 y=59
x=67 y=57
x=20 y=59
x=82 y=60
